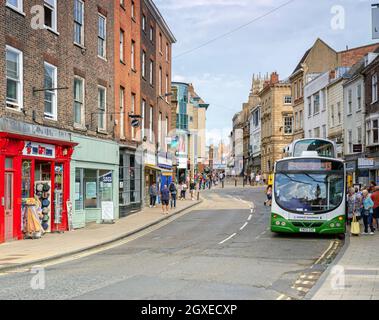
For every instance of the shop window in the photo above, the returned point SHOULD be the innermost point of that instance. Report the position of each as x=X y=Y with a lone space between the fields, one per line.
x=26 y=179
x=105 y=185
x=92 y=187
x=130 y=173
x=79 y=203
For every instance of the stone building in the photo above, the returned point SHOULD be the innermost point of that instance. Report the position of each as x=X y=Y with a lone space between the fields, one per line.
x=277 y=121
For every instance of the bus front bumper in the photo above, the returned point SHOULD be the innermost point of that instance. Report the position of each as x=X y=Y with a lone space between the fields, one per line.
x=334 y=226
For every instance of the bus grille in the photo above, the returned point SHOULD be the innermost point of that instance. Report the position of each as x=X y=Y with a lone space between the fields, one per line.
x=308 y=224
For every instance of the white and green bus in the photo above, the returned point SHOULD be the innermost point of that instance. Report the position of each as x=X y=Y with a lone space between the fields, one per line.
x=309 y=189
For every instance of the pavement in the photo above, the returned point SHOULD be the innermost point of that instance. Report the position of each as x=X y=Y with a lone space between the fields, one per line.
x=354 y=275
x=54 y=246
x=220 y=249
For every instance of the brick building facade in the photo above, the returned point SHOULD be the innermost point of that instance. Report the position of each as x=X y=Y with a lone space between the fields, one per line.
x=73 y=76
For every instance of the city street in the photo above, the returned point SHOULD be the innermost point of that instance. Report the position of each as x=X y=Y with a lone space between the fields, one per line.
x=222 y=249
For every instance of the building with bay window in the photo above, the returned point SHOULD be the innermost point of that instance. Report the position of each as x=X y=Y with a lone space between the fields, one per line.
x=371 y=74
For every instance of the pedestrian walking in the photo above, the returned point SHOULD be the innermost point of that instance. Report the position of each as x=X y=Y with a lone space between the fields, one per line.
x=165 y=198
x=367 y=212
x=372 y=187
x=184 y=191
x=375 y=199
x=192 y=189
x=173 y=192
x=354 y=203
x=153 y=192
x=257 y=179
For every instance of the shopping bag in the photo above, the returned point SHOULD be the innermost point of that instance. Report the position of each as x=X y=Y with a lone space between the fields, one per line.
x=355 y=226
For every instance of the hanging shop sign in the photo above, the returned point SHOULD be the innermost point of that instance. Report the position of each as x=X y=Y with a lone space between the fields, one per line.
x=182 y=163
x=39 y=150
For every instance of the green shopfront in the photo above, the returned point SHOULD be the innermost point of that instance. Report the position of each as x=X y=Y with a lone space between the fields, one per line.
x=94 y=181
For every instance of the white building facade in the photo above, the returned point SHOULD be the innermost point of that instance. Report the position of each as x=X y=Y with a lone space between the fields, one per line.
x=315 y=107
x=255 y=138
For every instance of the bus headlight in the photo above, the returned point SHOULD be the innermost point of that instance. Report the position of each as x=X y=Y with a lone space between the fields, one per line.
x=332 y=225
x=338 y=225
x=278 y=223
x=283 y=223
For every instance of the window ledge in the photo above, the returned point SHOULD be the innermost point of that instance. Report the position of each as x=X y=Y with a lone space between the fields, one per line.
x=79 y=127
x=102 y=131
x=123 y=62
x=102 y=58
x=80 y=46
x=349 y=114
x=14 y=9
x=49 y=118
x=52 y=31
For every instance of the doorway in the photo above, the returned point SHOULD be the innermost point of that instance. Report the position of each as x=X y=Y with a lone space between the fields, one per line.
x=8 y=205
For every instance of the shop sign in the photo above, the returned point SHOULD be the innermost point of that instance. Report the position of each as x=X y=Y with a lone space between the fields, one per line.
x=150 y=159
x=14 y=126
x=351 y=166
x=39 y=150
x=357 y=148
x=107 y=210
x=107 y=178
x=164 y=162
x=364 y=163
x=182 y=163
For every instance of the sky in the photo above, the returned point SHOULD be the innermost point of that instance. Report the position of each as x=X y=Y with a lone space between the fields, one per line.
x=221 y=71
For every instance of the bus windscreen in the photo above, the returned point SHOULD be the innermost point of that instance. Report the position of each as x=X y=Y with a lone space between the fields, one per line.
x=323 y=148
x=309 y=185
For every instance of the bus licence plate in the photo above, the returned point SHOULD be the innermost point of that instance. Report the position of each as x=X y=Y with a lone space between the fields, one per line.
x=310 y=230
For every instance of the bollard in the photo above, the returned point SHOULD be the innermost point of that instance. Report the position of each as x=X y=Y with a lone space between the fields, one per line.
x=223 y=184
x=198 y=195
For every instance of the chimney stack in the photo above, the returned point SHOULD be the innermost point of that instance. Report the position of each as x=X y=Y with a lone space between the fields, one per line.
x=274 y=78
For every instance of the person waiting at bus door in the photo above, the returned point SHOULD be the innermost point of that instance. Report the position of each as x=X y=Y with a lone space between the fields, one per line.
x=367 y=212
x=268 y=202
x=354 y=203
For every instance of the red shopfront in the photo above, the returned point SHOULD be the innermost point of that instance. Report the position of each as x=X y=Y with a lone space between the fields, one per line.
x=26 y=162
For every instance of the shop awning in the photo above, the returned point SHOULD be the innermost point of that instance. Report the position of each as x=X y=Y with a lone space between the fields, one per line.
x=164 y=171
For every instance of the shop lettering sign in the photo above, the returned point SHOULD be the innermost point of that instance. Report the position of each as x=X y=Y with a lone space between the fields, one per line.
x=18 y=127
x=365 y=163
x=39 y=150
